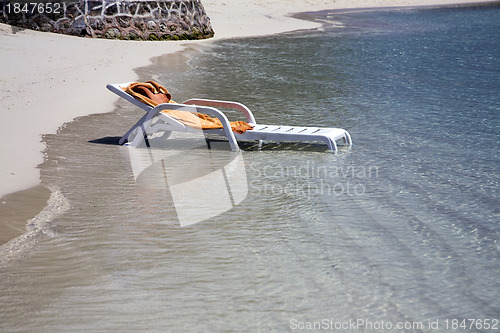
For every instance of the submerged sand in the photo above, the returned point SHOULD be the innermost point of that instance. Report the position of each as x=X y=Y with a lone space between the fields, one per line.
x=48 y=80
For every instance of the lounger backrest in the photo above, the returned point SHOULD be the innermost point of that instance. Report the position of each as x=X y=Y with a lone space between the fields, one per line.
x=118 y=89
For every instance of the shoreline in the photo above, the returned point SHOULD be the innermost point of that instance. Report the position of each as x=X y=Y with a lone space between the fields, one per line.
x=310 y=16
x=44 y=73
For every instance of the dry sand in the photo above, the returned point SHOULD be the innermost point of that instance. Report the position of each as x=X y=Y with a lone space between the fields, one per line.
x=49 y=79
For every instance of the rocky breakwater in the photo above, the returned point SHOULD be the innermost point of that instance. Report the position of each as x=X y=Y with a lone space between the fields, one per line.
x=113 y=19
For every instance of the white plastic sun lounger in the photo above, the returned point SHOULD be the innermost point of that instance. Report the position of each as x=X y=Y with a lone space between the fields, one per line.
x=167 y=124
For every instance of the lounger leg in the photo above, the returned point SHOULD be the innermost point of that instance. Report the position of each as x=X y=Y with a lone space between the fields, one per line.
x=233 y=143
x=348 y=138
x=139 y=137
x=137 y=124
x=142 y=134
x=332 y=145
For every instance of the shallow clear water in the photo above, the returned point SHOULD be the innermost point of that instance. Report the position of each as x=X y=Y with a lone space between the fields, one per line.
x=402 y=228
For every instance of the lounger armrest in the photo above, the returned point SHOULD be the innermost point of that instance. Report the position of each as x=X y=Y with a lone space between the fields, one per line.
x=224 y=104
x=201 y=109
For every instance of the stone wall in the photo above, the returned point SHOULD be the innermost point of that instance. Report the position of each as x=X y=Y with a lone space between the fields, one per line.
x=113 y=19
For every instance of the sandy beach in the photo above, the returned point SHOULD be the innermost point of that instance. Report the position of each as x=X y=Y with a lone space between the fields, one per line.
x=49 y=79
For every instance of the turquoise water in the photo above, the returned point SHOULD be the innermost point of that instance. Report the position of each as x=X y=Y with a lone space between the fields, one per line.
x=401 y=229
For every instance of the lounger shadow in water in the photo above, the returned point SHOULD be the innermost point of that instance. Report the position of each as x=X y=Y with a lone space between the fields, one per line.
x=197 y=182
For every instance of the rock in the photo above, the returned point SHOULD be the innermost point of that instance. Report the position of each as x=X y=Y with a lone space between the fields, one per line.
x=114 y=19
x=151 y=25
x=113 y=33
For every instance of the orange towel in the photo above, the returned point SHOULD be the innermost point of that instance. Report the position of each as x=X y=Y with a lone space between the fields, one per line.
x=152 y=93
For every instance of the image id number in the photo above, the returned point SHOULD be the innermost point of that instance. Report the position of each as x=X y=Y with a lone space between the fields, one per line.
x=472 y=324
x=33 y=8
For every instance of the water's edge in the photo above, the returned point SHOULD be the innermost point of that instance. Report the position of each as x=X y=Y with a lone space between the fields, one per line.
x=56 y=205
x=19 y=207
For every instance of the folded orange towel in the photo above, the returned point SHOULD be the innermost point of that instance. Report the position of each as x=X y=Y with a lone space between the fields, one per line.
x=152 y=93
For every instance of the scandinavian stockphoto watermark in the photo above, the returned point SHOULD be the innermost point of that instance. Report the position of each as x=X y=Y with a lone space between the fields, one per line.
x=355 y=325
x=203 y=180
x=309 y=179
x=364 y=325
